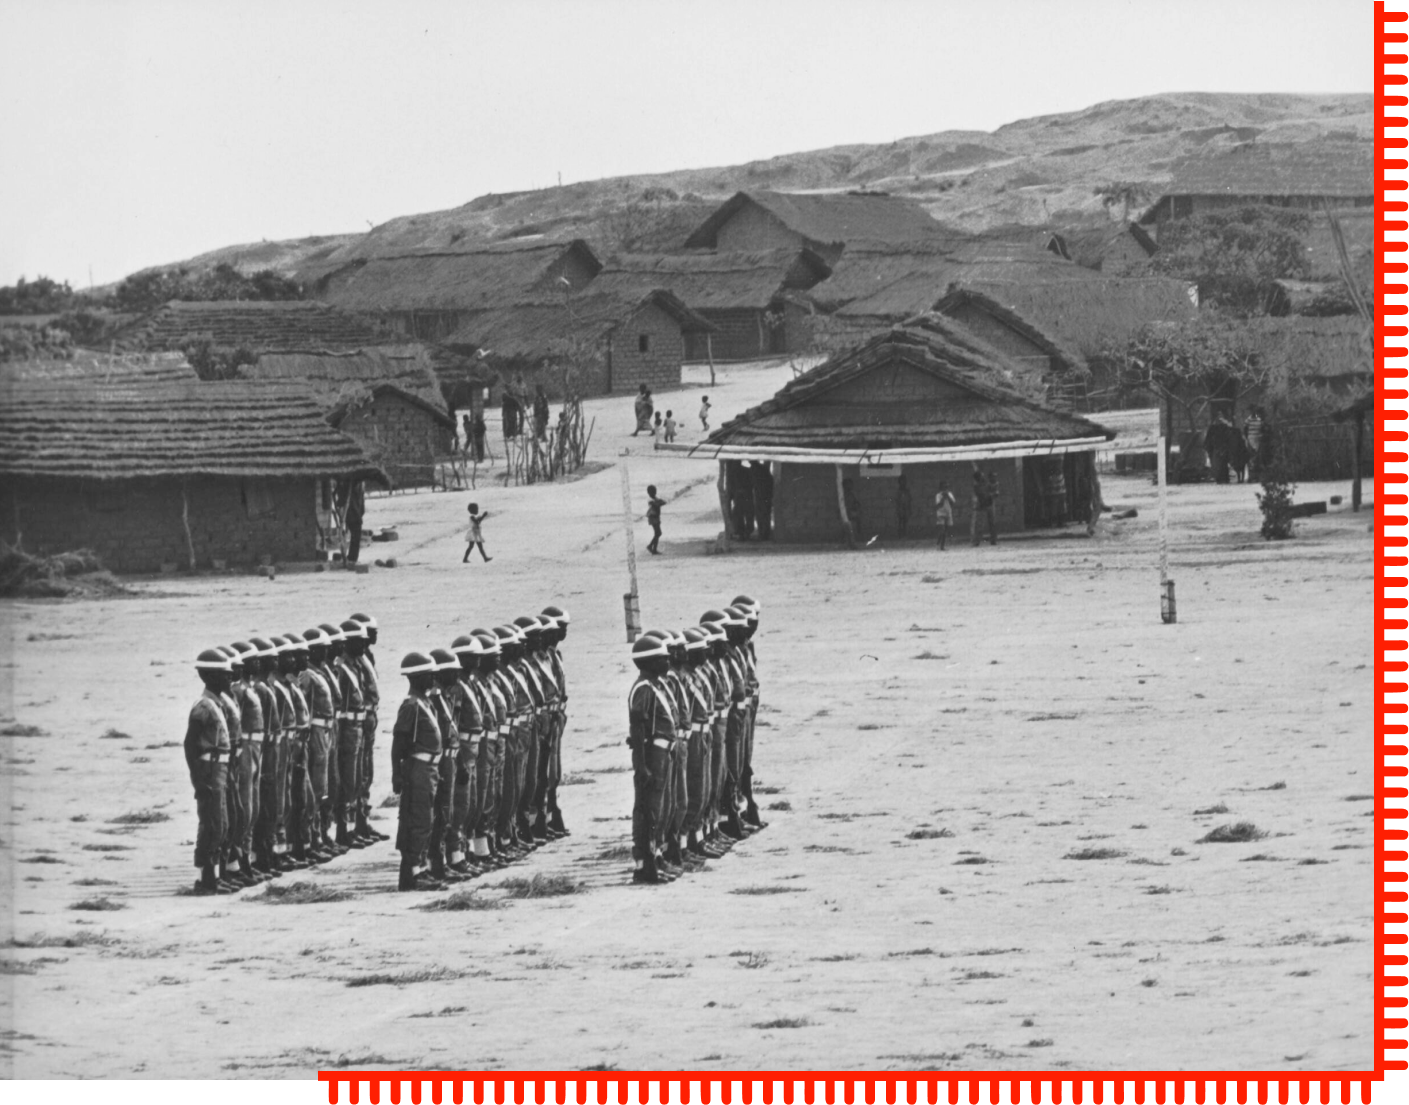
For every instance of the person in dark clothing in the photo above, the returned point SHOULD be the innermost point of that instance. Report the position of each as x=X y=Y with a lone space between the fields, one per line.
x=540 y=413
x=511 y=411
x=477 y=432
x=763 y=499
x=985 y=492
x=468 y=433
x=356 y=508
x=653 y=505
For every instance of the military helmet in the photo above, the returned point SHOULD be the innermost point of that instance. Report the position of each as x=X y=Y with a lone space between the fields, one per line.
x=212 y=659
x=353 y=629
x=489 y=642
x=289 y=642
x=558 y=614
x=508 y=634
x=696 y=639
x=746 y=603
x=333 y=632
x=738 y=614
x=365 y=619
x=713 y=631
x=467 y=644
x=445 y=660
x=714 y=616
x=315 y=638
x=648 y=645
x=296 y=642
x=262 y=646
x=414 y=662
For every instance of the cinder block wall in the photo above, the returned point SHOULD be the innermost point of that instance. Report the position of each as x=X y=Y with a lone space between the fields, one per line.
x=135 y=525
x=741 y=335
x=401 y=436
x=659 y=366
x=805 y=500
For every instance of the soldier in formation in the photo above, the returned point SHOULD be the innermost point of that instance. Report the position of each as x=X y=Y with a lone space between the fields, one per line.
x=476 y=751
x=692 y=711
x=280 y=752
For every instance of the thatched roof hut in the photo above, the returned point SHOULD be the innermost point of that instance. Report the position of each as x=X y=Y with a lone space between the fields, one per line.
x=1116 y=249
x=428 y=294
x=250 y=324
x=186 y=474
x=1332 y=351
x=916 y=407
x=102 y=369
x=825 y=222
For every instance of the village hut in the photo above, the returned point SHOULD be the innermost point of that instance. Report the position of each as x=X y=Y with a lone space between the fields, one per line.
x=1115 y=249
x=427 y=295
x=188 y=474
x=250 y=325
x=600 y=341
x=388 y=398
x=1338 y=174
x=749 y=297
x=919 y=403
x=825 y=222
x=85 y=366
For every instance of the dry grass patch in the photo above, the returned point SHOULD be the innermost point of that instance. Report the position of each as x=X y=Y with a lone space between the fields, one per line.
x=758 y=890
x=1096 y=853
x=42 y=857
x=299 y=893
x=140 y=817
x=98 y=905
x=107 y=847
x=73 y=940
x=784 y=1022
x=783 y=805
x=405 y=978
x=15 y=729
x=1220 y=808
x=116 y=735
x=542 y=886
x=1239 y=833
x=927 y=834
x=461 y=900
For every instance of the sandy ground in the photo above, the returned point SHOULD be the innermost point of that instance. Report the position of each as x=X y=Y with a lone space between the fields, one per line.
x=1025 y=700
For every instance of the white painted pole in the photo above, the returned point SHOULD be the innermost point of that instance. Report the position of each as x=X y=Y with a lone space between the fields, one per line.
x=1166 y=585
x=632 y=598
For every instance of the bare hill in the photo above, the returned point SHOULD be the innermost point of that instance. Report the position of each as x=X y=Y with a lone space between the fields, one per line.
x=1050 y=169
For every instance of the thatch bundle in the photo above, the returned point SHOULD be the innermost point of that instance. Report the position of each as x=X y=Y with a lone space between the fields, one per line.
x=56 y=576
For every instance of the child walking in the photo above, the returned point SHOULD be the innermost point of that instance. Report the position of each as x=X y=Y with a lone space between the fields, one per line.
x=943 y=511
x=474 y=537
x=669 y=425
x=704 y=413
x=657 y=427
x=653 y=505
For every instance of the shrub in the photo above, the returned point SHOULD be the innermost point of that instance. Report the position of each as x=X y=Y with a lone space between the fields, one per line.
x=543 y=886
x=461 y=900
x=299 y=893
x=1240 y=833
x=98 y=905
x=1275 y=501
x=1096 y=853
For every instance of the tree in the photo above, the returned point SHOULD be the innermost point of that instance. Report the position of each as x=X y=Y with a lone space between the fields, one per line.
x=146 y=291
x=1232 y=254
x=41 y=296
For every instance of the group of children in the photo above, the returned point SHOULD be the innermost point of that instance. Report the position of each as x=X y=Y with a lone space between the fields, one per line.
x=665 y=429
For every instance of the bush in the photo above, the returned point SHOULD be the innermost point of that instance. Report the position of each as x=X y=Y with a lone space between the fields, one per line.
x=542 y=886
x=1275 y=502
x=1240 y=833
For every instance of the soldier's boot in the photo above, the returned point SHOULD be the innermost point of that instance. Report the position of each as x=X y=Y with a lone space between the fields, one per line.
x=555 y=822
x=696 y=846
x=407 y=879
x=437 y=864
x=648 y=874
x=246 y=873
x=672 y=853
x=209 y=884
x=751 y=816
x=540 y=828
x=734 y=826
x=226 y=877
x=365 y=828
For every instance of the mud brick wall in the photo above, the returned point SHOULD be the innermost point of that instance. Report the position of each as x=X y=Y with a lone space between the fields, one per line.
x=659 y=365
x=402 y=437
x=754 y=228
x=135 y=525
x=805 y=500
x=741 y=335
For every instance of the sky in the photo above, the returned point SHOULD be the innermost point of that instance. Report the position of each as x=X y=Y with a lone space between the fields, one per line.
x=138 y=132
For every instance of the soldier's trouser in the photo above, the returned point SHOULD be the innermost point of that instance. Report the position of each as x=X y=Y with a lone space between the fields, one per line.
x=733 y=755
x=697 y=779
x=746 y=752
x=349 y=755
x=466 y=795
x=543 y=770
x=283 y=781
x=443 y=823
x=270 y=809
x=533 y=744
x=254 y=753
x=680 y=769
x=330 y=802
x=365 y=772
x=303 y=803
x=555 y=759
x=487 y=767
x=515 y=752
x=320 y=742
x=718 y=763
x=208 y=780
x=650 y=768
x=416 y=816
x=238 y=785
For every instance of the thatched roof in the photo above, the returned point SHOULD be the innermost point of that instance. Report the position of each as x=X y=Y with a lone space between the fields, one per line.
x=896 y=282
x=1092 y=314
x=89 y=367
x=470 y=279
x=204 y=429
x=1089 y=247
x=1322 y=349
x=526 y=331
x=715 y=281
x=250 y=324
x=338 y=379
x=844 y=402
x=1067 y=358
x=1331 y=168
x=828 y=219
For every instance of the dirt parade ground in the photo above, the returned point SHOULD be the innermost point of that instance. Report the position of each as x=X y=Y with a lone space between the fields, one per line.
x=985 y=773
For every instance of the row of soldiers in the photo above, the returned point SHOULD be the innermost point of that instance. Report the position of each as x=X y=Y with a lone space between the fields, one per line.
x=692 y=713
x=280 y=752
x=476 y=752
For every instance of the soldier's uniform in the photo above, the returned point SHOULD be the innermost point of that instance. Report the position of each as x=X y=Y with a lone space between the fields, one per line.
x=351 y=715
x=516 y=697
x=207 y=749
x=283 y=771
x=651 y=715
x=250 y=764
x=371 y=698
x=721 y=691
x=269 y=813
x=328 y=670
x=677 y=794
x=489 y=768
x=322 y=708
x=750 y=662
x=535 y=729
x=554 y=774
x=443 y=824
x=302 y=802
x=231 y=847
x=415 y=773
x=470 y=713
x=701 y=726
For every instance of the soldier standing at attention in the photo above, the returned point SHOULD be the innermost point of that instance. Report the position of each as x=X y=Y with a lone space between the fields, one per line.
x=447 y=674
x=251 y=757
x=372 y=698
x=489 y=769
x=652 y=733
x=329 y=671
x=317 y=687
x=288 y=735
x=679 y=799
x=415 y=772
x=751 y=610
x=470 y=714
x=293 y=657
x=731 y=622
x=538 y=695
x=701 y=724
x=207 y=748
x=555 y=766
x=230 y=845
x=715 y=734
x=515 y=744
x=349 y=733
x=270 y=809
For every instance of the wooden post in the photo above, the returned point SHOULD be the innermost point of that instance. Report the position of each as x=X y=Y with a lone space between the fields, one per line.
x=1359 y=454
x=1166 y=585
x=186 y=524
x=723 y=486
x=841 y=507
x=709 y=352
x=632 y=598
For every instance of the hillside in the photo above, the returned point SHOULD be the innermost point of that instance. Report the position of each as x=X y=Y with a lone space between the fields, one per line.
x=1033 y=172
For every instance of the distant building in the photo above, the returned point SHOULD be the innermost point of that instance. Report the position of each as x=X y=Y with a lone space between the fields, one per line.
x=609 y=340
x=826 y=223
x=1122 y=249
x=185 y=474
x=1339 y=174
x=919 y=401
x=749 y=297
x=427 y=295
x=101 y=370
x=250 y=324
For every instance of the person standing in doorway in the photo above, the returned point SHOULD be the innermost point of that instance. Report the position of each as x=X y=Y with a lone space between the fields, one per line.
x=653 y=505
x=943 y=512
x=474 y=537
x=356 y=509
x=985 y=491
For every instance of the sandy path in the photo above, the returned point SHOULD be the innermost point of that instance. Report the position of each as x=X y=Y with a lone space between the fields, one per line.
x=1024 y=699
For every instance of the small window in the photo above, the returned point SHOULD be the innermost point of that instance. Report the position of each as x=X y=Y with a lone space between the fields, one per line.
x=643 y=343
x=258 y=498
